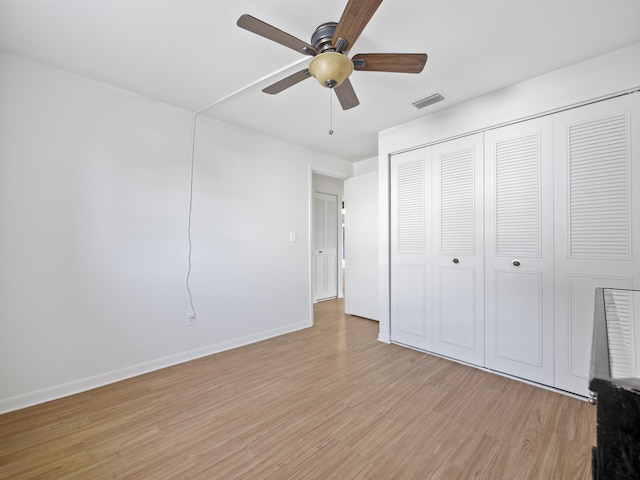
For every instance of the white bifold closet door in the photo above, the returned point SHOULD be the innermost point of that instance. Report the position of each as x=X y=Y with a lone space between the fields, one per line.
x=411 y=248
x=437 y=249
x=519 y=249
x=458 y=249
x=597 y=222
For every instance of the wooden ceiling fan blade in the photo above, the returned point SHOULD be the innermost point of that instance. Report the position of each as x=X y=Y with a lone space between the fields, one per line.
x=272 y=33
x=287 y=82
x=347 y=95
x=354 y=18
x=390 y=62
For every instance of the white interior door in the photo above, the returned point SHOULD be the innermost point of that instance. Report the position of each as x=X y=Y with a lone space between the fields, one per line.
x=411 y=248
x=458 y=249
x=519 y=249
x=325 y=248
x=361 y=246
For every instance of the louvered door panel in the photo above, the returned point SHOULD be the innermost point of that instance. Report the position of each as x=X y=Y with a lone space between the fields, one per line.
x=598 y=239
x=411 y=208
x=619 y=316
x=458 y=289
x=457 y=202
x=519 y=249
x=411 y=249
x=599 y=188
x=517 y=196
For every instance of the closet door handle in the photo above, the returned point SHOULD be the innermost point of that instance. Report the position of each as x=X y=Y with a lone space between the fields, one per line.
x=455 y=260
x=516 y=263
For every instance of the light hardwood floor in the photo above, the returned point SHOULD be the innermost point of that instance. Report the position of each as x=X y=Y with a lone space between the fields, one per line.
x=328 y=402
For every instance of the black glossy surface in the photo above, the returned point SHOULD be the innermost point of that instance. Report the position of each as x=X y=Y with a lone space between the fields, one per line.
x=617 y=456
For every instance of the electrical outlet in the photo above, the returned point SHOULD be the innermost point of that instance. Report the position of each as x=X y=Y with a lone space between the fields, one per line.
x=191 y=319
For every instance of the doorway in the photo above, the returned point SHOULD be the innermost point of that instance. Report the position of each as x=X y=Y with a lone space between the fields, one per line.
x=327 y=195
x=325 y=246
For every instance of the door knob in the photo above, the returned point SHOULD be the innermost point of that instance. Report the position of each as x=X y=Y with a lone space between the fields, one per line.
x=516 y=263
x=455 y=260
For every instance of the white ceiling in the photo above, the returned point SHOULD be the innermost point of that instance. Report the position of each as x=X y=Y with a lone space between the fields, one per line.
x=191 y=54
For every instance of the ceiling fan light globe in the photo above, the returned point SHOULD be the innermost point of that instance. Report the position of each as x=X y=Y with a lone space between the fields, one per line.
x=331 y=69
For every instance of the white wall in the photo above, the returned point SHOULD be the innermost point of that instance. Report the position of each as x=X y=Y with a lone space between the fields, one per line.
x=93 y=220
x=365 y=166
x=593 y=79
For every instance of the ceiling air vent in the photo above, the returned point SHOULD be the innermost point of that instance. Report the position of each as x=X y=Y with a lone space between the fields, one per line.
x=426 y=101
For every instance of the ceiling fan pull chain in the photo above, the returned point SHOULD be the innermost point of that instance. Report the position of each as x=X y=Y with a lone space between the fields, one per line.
x=330 y=111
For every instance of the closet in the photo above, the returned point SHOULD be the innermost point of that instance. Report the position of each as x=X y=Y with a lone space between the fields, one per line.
x=499 y=239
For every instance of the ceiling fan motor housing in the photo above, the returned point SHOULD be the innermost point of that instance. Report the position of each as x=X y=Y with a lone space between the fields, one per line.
x=321 y=38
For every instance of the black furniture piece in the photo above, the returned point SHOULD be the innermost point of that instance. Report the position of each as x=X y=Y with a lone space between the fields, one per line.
x=615 y=384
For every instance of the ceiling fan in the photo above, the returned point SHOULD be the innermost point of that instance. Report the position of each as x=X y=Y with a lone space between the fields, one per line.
x=330 y=44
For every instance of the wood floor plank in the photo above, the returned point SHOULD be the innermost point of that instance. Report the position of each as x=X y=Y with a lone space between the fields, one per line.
x=325 y=402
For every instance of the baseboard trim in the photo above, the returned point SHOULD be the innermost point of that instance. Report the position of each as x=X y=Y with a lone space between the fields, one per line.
x=82 y=385
x=384 y=338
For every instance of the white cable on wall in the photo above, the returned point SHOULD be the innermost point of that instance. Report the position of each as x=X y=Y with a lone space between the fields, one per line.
x=252 y=84
x=192 y=311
